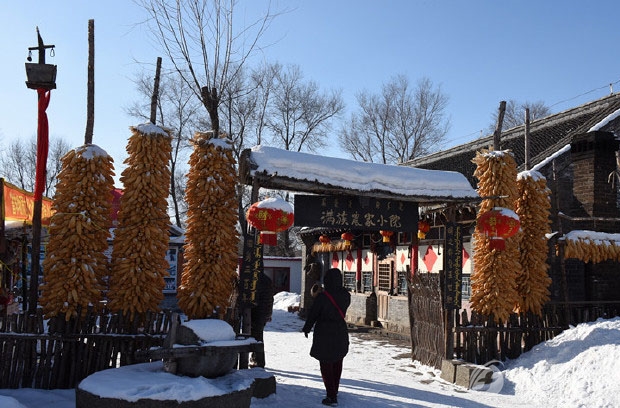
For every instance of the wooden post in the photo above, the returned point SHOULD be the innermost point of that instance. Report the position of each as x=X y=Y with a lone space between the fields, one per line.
x=498 y=129
x=3 y=247
x=90 y=98
x=527 y=138
x=246 y=314
x=170 y=364
x=35 y=255
x=155 y=92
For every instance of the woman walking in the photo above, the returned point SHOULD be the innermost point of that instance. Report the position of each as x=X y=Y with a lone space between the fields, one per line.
x=330 y=342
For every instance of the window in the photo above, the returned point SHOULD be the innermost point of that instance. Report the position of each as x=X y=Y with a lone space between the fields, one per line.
x=465 y=287
x=349 y=280
x=367 y=281
x=385 y=276
x=402 y=283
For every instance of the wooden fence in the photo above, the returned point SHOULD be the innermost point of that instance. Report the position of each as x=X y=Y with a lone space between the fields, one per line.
x=58 y=354
x=437 y=333
x=478 y=339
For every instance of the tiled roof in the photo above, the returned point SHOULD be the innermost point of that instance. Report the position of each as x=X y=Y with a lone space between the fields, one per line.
x=547 y=135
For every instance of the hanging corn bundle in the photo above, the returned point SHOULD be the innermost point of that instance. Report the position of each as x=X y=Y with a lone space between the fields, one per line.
x=141 y=239
x=493 y=281
x=75 y=263
x=209 y=270
x=533 y=207
x=592 y=246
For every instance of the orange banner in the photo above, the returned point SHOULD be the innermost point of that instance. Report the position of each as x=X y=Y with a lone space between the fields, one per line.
x=19 y=205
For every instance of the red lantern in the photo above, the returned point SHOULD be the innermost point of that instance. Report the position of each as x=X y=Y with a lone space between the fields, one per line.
x=423 y=228
x=498 y=224
x=386 y=235
x=270 y=216
x=324 y=240
x=347 y=237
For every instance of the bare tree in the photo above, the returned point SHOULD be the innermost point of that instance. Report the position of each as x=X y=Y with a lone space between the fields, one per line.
x=299 y=114
x=398 y=124
x=18 y=163
x=515 y=113
x=177 y=109
x=203 y=42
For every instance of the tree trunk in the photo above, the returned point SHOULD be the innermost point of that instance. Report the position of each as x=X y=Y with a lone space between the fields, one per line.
x=498 y=129
x=211 y=101
x=90 y=98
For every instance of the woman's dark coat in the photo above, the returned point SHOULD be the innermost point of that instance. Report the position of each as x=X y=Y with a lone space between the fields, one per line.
x=331 y=338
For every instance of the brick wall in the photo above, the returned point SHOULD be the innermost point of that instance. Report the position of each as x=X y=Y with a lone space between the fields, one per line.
x=593 y=157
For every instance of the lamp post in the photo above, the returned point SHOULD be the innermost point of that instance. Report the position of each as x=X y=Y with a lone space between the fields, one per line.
x=42 y=77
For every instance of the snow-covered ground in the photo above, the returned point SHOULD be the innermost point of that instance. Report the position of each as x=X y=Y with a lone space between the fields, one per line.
x=579 y=368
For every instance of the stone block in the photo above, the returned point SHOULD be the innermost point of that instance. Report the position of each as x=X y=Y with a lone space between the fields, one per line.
x=448 y=370
x=470 y=374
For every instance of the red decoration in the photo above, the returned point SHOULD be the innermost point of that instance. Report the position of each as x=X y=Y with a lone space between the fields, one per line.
x=270 y=216
x=423 y=228
x=116 y=205
x=324 y=240
x=498 y=224
x=347 y=237
x=386 y=235
x=42 y=143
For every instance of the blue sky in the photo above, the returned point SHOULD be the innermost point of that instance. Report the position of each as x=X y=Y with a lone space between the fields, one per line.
x=564 y=53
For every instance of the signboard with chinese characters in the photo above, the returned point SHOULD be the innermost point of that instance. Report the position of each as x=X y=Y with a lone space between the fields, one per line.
x=251 y=267
x=357 y=213
x=19 y=205
x=453 y=266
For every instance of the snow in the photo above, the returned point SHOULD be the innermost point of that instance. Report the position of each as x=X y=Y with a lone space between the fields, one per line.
x=276 y=203
x=552 y=157
x=150 y=129
x=90 y=151
x=210 y=330
x=223 y=143
x=605 y=121
x=360 y=176
x=598 y=237
x=580 y=367
x=532 y=174
x=128 y=383
x=507 y=212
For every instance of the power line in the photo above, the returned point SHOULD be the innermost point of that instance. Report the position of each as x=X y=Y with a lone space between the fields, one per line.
x=588 y=92
x=610 y=86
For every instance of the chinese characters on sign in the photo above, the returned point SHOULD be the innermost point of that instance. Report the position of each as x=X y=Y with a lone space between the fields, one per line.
x=251 y=267
x=453 y=266
x=361 y=213
x=19 y=205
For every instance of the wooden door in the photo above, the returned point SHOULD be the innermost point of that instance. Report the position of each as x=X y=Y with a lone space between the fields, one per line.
x=385 y=273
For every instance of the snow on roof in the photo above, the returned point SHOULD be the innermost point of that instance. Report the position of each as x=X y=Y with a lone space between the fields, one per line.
x=595 y=236
x=550 y=158
x=605 y=121
x=322 y=171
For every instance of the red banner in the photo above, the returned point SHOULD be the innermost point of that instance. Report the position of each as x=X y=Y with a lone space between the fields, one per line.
x=18 y=205
x=42 y=143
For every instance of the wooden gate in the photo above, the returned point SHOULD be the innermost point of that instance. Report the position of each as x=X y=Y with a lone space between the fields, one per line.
x=384 y=287
x=426 y=318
